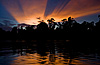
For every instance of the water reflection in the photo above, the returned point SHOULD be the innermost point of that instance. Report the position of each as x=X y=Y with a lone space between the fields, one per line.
x=49 y=52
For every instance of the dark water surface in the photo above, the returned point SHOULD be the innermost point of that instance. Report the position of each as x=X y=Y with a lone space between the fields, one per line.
x=49 y=52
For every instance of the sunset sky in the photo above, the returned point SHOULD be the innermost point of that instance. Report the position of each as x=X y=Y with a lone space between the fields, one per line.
x=27 y=11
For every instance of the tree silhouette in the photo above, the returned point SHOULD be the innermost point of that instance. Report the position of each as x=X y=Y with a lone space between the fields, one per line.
x=99 y=17
x=70 y=26
x=70 y=21
x=51 y=22
x=64 y=20
x=42 y=26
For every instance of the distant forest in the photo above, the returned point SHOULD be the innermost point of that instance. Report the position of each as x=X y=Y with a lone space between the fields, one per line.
x=53 y=29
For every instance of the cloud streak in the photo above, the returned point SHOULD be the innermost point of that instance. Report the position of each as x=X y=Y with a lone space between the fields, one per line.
x=27 y=11
x=5 y=14
x=77 y=8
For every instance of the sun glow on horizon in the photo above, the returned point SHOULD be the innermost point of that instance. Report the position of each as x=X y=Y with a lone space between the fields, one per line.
x=27 y=11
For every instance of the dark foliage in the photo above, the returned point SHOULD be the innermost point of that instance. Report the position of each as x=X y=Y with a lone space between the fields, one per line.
x=54 y=30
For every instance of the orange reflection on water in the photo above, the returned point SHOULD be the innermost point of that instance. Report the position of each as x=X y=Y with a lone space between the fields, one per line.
x=50 y=52
x=37 y=59
x=50 y=59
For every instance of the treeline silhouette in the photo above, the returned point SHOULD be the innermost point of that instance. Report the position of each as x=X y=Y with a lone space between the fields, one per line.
x=54 y=30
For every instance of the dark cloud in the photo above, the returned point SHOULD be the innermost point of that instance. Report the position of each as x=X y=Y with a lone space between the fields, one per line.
x=6 y=28
x=61 y=5
x=55 y=4
x=88 y=18
x=4 y=13
x=51 y=5
x=1 y=25
x=23 y=24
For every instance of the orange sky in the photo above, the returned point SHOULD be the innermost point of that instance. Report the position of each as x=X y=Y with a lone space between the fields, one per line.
x=26 y=11
x=77 y=8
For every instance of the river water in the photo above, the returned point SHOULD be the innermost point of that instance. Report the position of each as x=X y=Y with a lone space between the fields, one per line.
x=49 y=52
